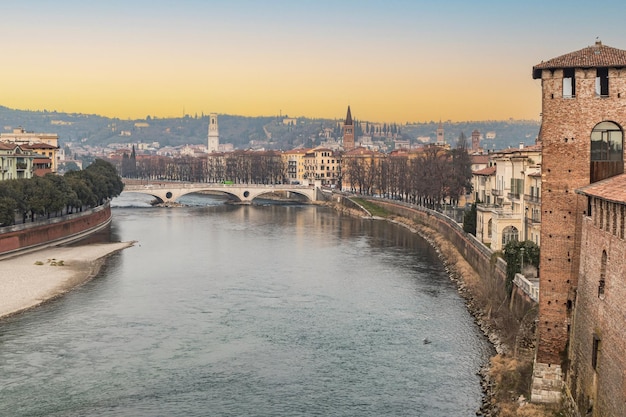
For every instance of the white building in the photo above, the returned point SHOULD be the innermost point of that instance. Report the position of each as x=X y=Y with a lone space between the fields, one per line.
x=214 y=135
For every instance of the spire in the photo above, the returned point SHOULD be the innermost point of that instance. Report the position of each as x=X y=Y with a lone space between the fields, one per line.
x=349 y=118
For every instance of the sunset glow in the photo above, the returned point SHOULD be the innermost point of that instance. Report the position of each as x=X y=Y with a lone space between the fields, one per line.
x=392 y=61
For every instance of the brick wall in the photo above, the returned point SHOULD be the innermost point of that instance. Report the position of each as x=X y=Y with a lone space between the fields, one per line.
x=18 y=238
x=565 y=133
x=600 y=316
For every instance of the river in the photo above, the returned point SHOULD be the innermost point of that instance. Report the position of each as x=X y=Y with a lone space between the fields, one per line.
x=261 y=310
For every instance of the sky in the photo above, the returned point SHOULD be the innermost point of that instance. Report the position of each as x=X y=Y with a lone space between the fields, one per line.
x=390 y=60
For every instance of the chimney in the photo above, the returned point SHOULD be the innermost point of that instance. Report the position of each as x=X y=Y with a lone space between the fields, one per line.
x=521 y=145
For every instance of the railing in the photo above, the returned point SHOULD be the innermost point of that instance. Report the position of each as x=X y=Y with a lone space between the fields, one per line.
x=513 y=196
x=532 y=221
x=530 y=288
x=532 y=198
x=507 y=214
x=495 y=191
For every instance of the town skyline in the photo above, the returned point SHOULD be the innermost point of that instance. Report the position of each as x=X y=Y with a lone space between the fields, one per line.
x=393 y=63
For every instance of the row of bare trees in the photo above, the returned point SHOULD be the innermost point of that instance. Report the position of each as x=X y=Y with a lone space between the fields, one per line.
x=237 y=167
x=433 y=177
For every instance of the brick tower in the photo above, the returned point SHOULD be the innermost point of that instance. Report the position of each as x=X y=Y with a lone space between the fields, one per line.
x=475 y=141
x=583 y=112
x=348 y=132
x=441 y=139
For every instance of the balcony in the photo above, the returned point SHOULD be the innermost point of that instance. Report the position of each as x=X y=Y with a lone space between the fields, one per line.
x=496 y=192
x=513 y=196
x=507 y=214
x=530 y=221
x=532 y=199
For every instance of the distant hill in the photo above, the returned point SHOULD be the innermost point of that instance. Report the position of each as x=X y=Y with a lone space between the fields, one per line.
x=242 y=132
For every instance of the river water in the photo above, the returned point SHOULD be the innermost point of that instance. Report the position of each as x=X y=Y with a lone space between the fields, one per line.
x=262 y=310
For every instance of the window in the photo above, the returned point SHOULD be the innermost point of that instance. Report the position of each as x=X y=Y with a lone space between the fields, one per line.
x=614 y=221
x=517 y=187
x=602 y=281
x=508 y=234
x=621 y=223
x=569 y=83
x=602 y=82
x=594 y=351
x=607 y=142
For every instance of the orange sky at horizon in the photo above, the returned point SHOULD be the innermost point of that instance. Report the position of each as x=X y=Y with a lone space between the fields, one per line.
x=390 y=63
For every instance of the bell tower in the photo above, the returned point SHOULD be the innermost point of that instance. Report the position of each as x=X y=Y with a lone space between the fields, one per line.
x=348 y=132
x=214 y=135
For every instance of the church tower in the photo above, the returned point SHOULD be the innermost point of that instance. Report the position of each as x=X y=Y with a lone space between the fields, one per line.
x=214 y=135
x=583 y=114
x=475 y=140
x=441 y=140
x=348 y=132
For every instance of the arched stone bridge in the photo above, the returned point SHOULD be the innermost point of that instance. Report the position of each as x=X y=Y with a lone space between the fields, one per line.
x=168 y=191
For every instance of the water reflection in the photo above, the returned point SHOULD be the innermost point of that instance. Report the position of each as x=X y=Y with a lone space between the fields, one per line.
x=250 y=310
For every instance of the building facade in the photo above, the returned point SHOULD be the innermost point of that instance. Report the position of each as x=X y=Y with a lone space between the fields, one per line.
x=583 y=111
x=294 y=164
x=323 y=165
x=502 y=190
x=15 y=162
x=44 y=144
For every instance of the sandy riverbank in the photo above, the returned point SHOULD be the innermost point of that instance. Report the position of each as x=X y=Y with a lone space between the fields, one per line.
x=31 y=279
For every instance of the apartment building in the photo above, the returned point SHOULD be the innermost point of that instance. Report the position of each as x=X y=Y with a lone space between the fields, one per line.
x=503 y=191
x=15 y=162
x=324 y=165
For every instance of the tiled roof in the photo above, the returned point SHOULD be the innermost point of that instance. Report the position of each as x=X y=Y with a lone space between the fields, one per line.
x=479 y=159
x=38 y=145
x=7 y=146
x=611 y=189
x=361 y=151
x=594 y=56
x=486 y=171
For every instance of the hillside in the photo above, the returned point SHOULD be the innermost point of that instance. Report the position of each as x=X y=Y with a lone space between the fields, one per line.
x=242 y=132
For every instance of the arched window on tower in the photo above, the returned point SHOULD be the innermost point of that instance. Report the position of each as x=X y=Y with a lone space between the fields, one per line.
x=602 y=281
x=607 y=151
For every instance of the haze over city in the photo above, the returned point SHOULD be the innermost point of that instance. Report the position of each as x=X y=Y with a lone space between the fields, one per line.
x=393 y=61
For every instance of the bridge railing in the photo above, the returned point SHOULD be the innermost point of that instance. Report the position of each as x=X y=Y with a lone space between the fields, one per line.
x=165 y=184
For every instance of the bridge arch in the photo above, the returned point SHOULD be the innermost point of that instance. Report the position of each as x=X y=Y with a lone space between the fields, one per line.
x=169 y=192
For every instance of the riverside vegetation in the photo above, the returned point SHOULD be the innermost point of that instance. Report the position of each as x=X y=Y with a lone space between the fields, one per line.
x=26 y=199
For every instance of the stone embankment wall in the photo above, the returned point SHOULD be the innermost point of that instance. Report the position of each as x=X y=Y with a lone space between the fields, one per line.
x=30 y=236
x=491 y=269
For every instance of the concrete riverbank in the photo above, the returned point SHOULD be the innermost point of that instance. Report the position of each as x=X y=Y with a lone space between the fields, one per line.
x=33 y=278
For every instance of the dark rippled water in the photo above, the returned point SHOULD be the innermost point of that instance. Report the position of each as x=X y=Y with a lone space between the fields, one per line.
x=249 y=311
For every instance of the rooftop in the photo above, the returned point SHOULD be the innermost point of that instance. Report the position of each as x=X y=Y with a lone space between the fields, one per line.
x=486 y=171
x=595 y=56
x=611 y=189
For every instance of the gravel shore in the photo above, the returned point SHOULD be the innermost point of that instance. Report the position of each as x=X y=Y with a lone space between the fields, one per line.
x=33 y=278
